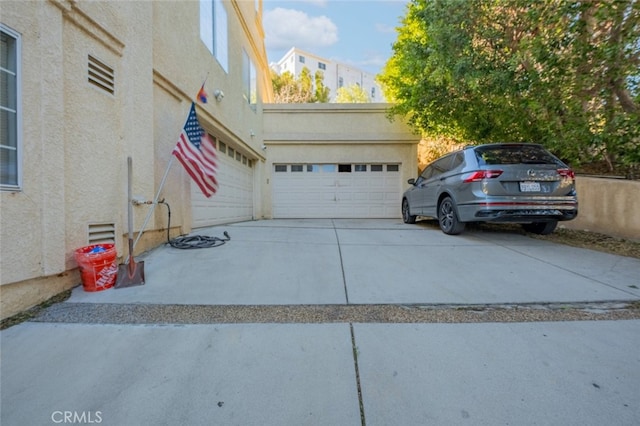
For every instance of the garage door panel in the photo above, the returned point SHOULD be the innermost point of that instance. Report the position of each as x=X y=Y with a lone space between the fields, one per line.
x=321 y=191
x=233 y=202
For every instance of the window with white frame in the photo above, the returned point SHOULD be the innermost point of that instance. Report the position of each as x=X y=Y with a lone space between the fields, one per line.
x=213 y=30
x=10 y=149
x=249 y=79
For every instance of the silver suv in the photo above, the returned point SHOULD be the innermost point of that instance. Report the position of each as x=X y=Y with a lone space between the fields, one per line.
x=516 y=183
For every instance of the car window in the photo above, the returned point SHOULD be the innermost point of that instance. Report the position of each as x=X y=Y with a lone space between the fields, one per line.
x=442 y=165
x=457 y=160
x=427 y=172
x=514 y=154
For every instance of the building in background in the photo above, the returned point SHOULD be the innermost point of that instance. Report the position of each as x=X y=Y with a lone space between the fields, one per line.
x=336 y=74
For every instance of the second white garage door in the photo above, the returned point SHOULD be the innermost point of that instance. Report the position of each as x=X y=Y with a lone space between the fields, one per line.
x=336 y=190
x=233 y=202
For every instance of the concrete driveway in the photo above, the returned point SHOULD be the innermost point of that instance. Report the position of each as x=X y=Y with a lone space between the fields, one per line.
x=158 y=354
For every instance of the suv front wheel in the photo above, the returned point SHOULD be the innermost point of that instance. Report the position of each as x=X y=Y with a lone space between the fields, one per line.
x=406 y=216
x=448 y=218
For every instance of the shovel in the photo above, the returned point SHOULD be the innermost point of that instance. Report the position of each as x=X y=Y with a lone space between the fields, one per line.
x=130 y=273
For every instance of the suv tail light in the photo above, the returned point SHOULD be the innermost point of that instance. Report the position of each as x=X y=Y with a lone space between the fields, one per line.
x=566 y=173
x=482 y=174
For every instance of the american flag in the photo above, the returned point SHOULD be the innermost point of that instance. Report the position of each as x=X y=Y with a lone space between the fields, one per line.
x=197 y=153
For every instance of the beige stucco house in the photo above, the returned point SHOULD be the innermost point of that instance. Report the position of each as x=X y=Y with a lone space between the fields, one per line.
x=86 y=84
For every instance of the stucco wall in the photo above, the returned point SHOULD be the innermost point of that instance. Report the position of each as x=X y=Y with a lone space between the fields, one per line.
x=335 y=133
x=608 y=206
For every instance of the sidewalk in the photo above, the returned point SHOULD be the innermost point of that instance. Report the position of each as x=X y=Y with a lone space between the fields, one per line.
x=342 y=373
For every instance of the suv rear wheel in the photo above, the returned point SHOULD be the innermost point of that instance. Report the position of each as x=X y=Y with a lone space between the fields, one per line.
x=448 y=218
x=540 y=228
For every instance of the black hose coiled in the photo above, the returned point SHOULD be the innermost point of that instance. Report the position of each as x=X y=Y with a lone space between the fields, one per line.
x=192 y=241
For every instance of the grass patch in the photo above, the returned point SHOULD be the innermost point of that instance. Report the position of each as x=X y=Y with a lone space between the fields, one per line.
x=32 y=312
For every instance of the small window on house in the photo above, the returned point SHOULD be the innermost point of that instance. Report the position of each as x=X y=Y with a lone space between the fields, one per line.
x=296 y=167
x=373 y=93
x=393 y=167
x=328 y=168
x=301 y=59
x=360 y=168
x=340 y=82
x=322 y=66
x=344 y=168
x=244 y=160
x=231 y=152
x=281 y=168
x=222 y=148
x=238 y=156
x=10 y=122
x=313 y=168
x=376 y=167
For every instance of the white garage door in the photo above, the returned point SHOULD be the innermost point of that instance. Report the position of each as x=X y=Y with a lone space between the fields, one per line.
x=233 y=202
x=336 y=190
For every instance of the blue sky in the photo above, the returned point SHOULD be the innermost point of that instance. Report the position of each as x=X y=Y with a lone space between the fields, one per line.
x=356 y=32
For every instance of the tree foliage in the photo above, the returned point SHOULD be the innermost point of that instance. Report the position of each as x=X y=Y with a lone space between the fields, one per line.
x=306 y=89
x=562 y=73
x=353 y=94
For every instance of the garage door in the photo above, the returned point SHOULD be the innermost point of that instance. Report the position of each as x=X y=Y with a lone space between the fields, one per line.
x=233 y=202
x=336 y=190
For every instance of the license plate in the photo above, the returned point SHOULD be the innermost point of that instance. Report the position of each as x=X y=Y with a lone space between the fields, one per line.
x=529 y=186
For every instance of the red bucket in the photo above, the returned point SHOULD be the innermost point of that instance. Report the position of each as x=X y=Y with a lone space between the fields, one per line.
x=98 y=267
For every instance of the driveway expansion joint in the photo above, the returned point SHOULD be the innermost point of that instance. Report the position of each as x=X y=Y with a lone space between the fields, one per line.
x=111 y=313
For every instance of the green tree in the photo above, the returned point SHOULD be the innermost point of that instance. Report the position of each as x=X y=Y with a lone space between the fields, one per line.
x=562 y=73
x=306 y=89
x=353 y=94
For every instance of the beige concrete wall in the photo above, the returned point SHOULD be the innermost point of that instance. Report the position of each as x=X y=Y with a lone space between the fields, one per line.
x=335 y=133
x=608 y=206
x=75 y=138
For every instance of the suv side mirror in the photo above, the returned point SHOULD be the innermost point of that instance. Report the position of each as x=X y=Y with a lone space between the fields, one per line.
x=411 y=181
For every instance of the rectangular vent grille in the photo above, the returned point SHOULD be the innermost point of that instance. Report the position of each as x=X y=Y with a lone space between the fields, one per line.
x=101 y=75
x=102 y=233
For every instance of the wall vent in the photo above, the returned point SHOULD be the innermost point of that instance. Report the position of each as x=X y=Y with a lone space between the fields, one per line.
x=101 y=75
x=102 y=233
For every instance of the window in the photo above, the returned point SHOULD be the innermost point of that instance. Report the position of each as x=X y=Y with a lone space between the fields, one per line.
x=313 y=168
x=231 y=152
x=360 y=168
x=301 y=59
x=213 y=30
x=340 y=82
x=223 y=148
x=296 y=167
x=248 y=79
x=281 y=168
x=393 y=167
x=10 y=120
x=457 y=160
x=238 y=156
x=328 y=168
x=373 y=93
x=322 y=66
x=344 y=168
x=376 y=167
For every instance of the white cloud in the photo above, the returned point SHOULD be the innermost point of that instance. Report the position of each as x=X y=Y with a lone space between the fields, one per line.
x=286 y=28
x=385 y=29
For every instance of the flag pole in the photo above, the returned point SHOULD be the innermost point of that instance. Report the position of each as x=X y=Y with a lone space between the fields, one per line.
x=155 y=200
x=164 y=178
